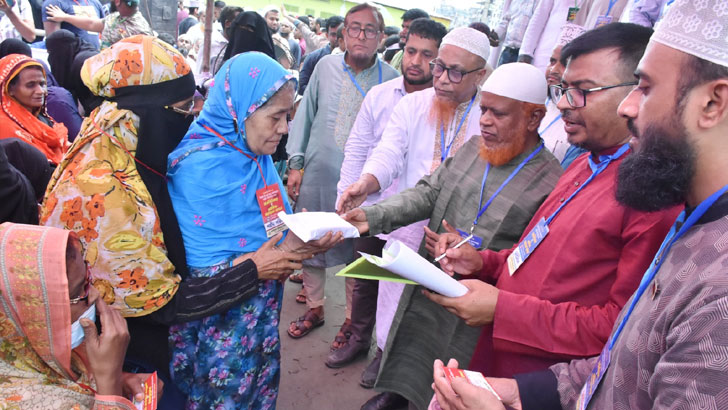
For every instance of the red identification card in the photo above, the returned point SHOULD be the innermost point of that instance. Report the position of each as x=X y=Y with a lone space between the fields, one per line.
x=474 y=378
x=150 y=394
x=270 y=201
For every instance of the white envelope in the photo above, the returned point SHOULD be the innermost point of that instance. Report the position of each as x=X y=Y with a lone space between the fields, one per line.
x=310 y=226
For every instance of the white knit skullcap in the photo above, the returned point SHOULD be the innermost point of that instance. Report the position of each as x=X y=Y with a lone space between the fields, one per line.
x=569 y=32
x=518 y=81
x=698 y=28
x=266 y=9
x=470 y=40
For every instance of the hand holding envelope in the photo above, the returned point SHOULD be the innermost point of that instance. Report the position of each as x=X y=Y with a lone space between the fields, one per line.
x=310 y=226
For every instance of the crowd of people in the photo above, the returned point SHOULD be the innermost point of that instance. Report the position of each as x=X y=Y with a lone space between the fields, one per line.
x=566 y=167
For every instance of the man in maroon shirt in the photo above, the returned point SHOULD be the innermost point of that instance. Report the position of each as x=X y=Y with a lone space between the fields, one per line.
x=556 y=295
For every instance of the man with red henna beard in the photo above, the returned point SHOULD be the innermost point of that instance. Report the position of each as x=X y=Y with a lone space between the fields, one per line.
x=491 y=188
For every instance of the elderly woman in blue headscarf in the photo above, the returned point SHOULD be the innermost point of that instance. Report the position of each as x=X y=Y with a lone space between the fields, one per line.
x=226 y=194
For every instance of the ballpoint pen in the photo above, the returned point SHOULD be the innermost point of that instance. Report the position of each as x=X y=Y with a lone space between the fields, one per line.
x=467 y=238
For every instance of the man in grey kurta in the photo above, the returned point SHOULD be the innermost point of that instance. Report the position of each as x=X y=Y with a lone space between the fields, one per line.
x=317 y=137
x=423 y=330
x=669 y=345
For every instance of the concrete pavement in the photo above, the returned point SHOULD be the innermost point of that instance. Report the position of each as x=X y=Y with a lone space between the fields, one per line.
x=306 y=382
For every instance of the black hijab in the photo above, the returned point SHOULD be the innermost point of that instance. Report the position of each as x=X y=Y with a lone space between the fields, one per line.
x=14 y=46
x=160 y=131
x=66 y=55
x=249 y=32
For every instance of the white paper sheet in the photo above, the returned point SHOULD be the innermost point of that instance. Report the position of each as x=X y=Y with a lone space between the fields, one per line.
x=407 y=263
x=310 y=226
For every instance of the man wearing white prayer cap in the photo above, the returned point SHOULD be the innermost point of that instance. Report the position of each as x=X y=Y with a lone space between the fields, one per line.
x=271 y=15
x=425 y=128
x=556 y=295
x=506 y=162
x=667 y=348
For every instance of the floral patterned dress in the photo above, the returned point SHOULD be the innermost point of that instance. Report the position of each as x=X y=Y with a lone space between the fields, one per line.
x=230 y=360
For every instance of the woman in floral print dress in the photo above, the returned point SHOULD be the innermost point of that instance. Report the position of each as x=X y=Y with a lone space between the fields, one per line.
x=222 y=181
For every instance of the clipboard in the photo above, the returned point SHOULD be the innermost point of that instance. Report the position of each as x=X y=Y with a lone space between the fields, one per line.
x=363 y=269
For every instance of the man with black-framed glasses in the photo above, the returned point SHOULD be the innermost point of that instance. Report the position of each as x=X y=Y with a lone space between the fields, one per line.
x=316 y=142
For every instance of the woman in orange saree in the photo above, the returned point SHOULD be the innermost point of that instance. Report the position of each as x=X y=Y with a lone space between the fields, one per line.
x=22 y=107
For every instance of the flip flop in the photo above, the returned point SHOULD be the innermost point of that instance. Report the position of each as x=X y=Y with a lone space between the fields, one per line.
x=310 y=317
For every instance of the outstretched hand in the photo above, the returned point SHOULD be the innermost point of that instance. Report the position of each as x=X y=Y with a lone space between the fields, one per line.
x=352 y=197
x=274 y=263
x=357 y=193
x=293 y=243
x=358 y=218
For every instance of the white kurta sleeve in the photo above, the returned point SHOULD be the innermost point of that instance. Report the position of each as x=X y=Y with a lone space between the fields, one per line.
x=536 y=27
x=387 y=160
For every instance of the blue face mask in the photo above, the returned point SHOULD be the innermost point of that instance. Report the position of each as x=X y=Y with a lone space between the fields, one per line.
x=77 y=334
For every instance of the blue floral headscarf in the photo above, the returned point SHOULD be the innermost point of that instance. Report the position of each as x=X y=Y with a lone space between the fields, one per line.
x=213 y=185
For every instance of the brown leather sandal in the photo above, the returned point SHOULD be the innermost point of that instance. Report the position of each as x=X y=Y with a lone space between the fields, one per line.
x=342 y=337
x=314 y=321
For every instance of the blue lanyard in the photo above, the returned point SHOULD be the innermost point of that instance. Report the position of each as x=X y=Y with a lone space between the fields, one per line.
x=353 y=79
x=672 y=236
x=445 y=151
x=497 y=191
x=611 y=4
x=550 y=124
x=597 y=169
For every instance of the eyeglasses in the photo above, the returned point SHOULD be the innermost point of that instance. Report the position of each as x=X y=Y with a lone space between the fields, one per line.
x=453 y=74
x=576 y=97
x=355 y=31
x=183 y=111
x=86 y=287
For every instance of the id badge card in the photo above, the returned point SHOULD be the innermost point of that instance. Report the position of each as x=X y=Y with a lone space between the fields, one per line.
x=592 y=382
x=572 y=14
x=476 y=241
x=270 y=201
x=526 y=247
x=603 y=21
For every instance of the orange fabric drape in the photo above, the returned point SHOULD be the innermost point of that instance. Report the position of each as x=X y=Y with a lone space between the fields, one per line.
x=17 y=122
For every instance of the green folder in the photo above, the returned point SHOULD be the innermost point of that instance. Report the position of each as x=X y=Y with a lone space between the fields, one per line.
x=363 y=269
